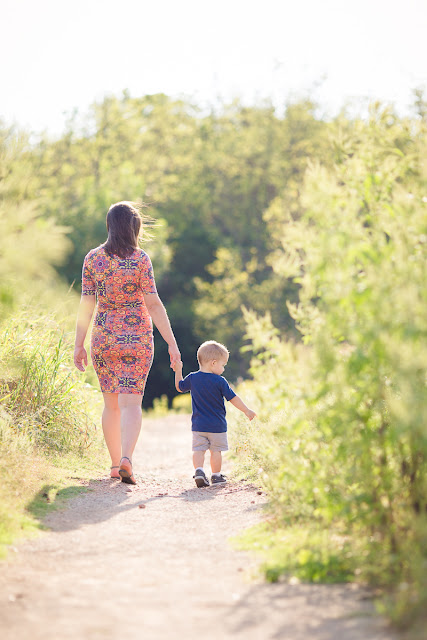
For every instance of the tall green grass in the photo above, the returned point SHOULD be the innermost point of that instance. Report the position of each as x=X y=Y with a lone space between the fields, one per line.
x=49 y=416
x=41 y=392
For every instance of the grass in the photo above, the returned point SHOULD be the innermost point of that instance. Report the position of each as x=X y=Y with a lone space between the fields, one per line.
x=50 y=445
x=300 y=554
x=32 y=484
x=40 y=389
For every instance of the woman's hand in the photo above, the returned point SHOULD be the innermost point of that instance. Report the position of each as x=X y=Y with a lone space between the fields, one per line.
x=80 y=358
x=174 y=355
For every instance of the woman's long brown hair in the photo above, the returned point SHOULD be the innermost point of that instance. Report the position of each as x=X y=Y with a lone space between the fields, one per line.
x=124 y=223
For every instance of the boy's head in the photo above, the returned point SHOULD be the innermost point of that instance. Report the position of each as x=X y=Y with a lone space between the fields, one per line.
x=211 y=350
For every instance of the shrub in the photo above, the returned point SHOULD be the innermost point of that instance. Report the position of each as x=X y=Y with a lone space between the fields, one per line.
x=345 y=414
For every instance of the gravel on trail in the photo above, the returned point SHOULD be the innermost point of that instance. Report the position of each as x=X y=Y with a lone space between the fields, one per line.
x=155 y=562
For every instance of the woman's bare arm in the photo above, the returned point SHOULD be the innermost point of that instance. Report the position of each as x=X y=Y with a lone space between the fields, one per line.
x=160 y=318
x=84 y=316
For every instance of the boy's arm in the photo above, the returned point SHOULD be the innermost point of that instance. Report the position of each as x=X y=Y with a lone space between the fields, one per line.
x=178 y=374
x=238 y=402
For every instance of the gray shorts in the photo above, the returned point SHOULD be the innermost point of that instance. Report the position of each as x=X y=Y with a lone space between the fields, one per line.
x=204 y=440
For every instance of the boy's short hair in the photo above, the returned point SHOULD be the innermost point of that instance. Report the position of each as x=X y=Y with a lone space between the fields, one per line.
x=211 y=350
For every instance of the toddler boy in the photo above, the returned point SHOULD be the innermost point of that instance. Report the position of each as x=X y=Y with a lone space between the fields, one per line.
x=208 y=390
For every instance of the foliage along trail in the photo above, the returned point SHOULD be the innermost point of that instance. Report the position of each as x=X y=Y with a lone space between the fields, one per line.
x=155 y=562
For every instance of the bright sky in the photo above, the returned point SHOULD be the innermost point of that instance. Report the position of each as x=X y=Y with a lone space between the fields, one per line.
x=57 y=55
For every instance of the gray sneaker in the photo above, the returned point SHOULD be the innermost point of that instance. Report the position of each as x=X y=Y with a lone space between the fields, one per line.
x=218 y=478
x=201 y=479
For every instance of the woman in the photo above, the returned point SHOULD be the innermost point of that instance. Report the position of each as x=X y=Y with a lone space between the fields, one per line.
x=118 y=274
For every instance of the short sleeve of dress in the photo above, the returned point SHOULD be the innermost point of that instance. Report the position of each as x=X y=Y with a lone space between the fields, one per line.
x=227 y=391
x=185 y=385
x=88 y=282
x=148 y=284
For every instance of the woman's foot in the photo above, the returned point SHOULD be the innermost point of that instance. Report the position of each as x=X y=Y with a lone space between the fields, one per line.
x=125 y=471
x=114 y=472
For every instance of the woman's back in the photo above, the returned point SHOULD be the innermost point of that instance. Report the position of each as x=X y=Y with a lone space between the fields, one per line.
x=122 y=334
x=117 y=282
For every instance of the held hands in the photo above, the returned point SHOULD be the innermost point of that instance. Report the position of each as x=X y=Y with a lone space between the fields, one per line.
x=177 y=367
x=174 y=354
x=80 y=358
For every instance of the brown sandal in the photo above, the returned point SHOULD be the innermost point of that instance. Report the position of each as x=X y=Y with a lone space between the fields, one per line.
x=125 y=474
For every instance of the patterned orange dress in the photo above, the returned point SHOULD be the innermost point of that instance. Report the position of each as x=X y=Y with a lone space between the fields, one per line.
x=122 y=345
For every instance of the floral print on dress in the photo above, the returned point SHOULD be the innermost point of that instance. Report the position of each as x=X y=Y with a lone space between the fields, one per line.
x=122 y=334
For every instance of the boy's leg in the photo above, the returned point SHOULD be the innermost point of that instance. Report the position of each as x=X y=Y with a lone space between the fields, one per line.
x=216 y=461
x=200 y=444
x=198 y=459
x=218 y=444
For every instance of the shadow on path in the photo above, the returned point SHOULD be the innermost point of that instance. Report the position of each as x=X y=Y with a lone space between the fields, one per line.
x=325 y=611
x=107 y=498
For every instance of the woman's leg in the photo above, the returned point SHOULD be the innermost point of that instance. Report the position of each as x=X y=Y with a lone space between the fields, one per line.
x=130 y=421
x=111 y=429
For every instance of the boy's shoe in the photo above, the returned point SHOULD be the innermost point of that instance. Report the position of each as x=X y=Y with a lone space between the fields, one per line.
x=218 y=478
x=201 y=479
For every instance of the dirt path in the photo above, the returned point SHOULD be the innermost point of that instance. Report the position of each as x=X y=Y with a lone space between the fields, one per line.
x=110 y=569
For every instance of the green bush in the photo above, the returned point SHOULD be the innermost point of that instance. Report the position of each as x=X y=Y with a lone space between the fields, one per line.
x=345 y=414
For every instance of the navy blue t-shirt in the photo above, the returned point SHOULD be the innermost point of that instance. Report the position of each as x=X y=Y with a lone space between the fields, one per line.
x=208 y=391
